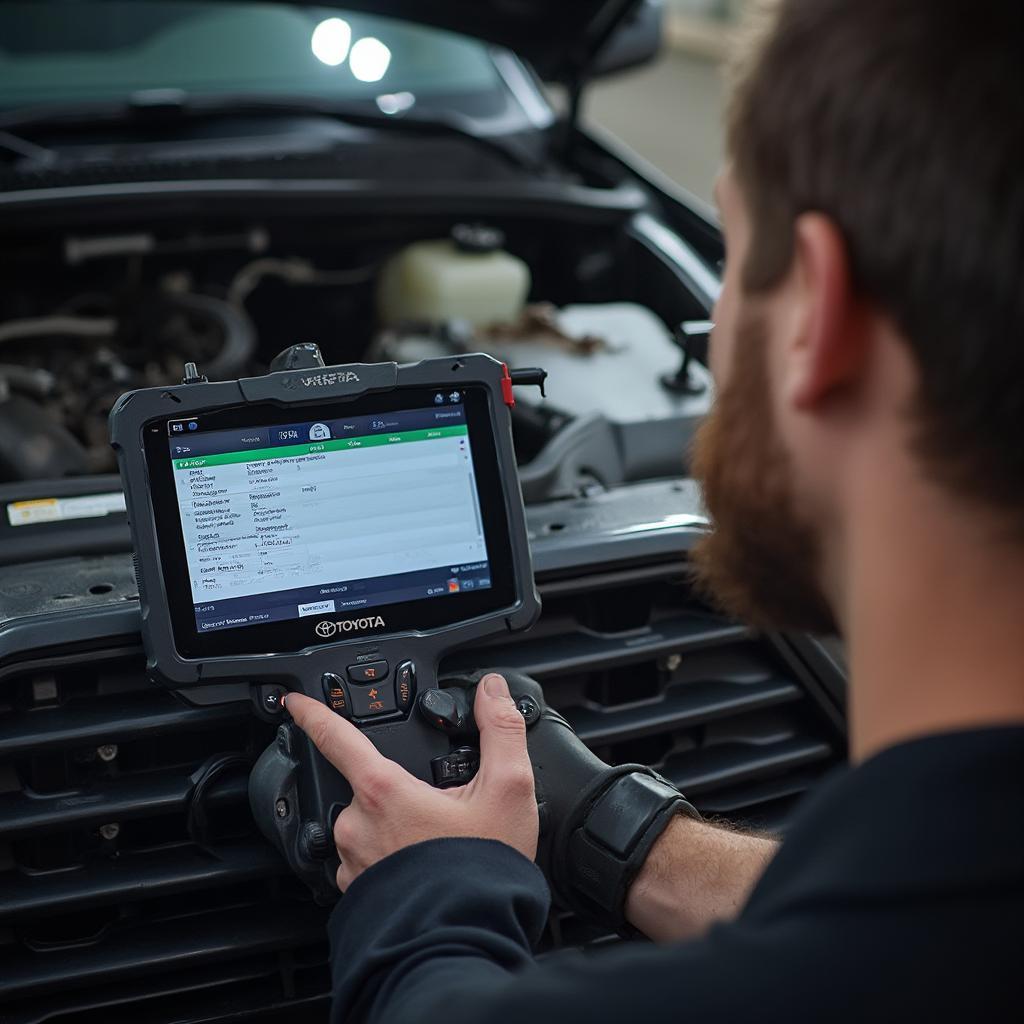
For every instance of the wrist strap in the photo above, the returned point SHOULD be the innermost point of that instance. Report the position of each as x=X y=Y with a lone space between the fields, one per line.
x=611 y=843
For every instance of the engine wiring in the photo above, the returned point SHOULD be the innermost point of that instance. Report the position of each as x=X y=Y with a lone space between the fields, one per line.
x=294 y=271
x=58 y=326
x=62 y=370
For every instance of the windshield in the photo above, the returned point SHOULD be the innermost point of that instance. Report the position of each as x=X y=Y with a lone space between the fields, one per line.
x=63 y=51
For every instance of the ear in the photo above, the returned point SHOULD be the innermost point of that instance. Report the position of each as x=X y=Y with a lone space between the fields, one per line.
x=828 y=349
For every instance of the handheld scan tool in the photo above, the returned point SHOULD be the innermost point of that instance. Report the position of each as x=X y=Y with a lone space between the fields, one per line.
x=332 y=530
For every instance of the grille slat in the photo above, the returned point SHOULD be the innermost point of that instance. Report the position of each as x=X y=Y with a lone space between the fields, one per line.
x=129 y=716
x=581 y=650
x=739 y=799
x=690 y=705
x=174 y=945
x=24 y=814
x=229 y=989
x=697 y=772
x=136 y=877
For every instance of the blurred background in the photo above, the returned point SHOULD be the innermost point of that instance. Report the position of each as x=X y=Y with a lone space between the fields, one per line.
x=683 y=88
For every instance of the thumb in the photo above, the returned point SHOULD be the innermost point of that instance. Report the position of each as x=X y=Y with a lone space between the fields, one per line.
x=504 y=761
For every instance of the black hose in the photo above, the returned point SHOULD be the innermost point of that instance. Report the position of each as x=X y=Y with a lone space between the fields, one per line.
x=197 y=822
x=239 y=343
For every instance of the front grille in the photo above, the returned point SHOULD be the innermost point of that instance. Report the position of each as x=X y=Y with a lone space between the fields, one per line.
x=105 y=878
x=118 y=903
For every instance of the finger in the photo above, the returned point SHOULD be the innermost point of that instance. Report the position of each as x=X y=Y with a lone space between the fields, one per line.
x=339 y=741
x=504 y=760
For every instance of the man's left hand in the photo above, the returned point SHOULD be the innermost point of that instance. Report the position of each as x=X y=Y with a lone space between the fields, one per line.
x=391 y=809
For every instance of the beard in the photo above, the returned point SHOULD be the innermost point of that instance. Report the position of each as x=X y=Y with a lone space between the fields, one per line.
x=762 y=562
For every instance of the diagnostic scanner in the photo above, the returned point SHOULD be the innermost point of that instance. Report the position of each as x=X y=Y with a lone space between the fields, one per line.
x=332 y=530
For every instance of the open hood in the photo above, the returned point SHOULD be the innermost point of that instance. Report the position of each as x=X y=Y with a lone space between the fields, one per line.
x=559 y=38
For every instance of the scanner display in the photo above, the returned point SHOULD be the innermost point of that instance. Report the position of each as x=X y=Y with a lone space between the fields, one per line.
x=325 y=518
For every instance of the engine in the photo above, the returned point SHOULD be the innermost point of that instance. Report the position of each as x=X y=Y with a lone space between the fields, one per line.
x=87 y=317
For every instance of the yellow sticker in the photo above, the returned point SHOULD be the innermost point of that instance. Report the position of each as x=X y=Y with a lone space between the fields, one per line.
x=53 y=510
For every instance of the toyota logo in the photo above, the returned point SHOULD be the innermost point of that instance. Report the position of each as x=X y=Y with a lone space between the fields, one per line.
x=326 y=628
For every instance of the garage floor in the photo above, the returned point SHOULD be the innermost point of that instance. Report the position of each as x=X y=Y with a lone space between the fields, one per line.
x=670 y=113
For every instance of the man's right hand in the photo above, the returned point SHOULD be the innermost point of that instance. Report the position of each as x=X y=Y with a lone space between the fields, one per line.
x=597 y=822
x=391 y=809
x=674 y=874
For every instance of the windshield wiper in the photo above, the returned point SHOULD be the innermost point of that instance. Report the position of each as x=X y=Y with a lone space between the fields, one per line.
x=165 y=107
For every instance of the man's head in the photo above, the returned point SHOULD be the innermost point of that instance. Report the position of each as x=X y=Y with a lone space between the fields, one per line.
x=871 y=325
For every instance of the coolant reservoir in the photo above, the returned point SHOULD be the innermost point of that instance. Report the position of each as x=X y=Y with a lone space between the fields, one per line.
x=466 y=277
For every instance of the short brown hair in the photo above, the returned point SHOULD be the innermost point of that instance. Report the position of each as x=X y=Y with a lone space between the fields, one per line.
x=903 y=121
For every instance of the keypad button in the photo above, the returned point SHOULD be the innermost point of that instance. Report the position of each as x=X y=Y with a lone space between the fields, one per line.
x=369 y=672
x=405 y=685
x=371 y=700
x=442 y=710
x=336 y=694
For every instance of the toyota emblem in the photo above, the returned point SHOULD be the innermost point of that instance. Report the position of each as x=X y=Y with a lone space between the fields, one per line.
x=326 y=628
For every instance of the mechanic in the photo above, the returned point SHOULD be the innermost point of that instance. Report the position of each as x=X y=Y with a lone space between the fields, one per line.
x=865 y=468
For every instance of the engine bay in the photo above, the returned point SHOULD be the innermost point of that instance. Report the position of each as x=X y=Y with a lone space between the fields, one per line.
x=87 y=316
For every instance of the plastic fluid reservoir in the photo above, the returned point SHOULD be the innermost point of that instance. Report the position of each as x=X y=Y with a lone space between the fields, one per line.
x=465 y=277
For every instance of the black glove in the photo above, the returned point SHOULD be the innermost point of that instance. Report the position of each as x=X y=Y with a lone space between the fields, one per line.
x=597 y=822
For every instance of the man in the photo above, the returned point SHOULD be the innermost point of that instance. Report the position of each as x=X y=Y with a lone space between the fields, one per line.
x=865 y=467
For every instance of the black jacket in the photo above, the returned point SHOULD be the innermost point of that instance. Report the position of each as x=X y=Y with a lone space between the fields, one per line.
x=898 y=895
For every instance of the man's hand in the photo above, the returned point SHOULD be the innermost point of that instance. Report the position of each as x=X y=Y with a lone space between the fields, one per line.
x=391 y=810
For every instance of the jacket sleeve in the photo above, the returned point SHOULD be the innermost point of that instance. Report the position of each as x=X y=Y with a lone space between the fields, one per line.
x=442 y=932
x=444 y=916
